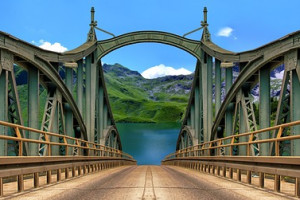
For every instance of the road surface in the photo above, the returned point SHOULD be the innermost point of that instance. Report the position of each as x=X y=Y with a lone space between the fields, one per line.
x=148 y=183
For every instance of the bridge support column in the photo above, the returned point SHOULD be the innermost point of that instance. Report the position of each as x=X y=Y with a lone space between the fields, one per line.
x=200 y=121
x=218 y=85
x=182 y=143
x=242 y=129
x=3 y=110
x=229 y=111
x=197 y=115
x=264 y=108
x=105 y=113
x=108 y=121
x=68 y=111
x=207 y=99
x=90 y=96
x=101 y=112
x=193 y=116
x=295 y=110
x=94 y=91
x=80 y=86
x=55 y=151
x=209 y=96
x=33 y=108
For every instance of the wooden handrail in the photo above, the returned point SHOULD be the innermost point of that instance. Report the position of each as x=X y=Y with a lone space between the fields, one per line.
x=220 y=143
x=90 y=146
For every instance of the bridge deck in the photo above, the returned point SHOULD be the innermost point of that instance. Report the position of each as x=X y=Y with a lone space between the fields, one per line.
x=147 y=182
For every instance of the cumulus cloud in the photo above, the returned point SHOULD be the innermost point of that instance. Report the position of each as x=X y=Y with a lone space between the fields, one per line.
x=225 y=32
x=279 y=75
x=57 y=47
x=162 y=70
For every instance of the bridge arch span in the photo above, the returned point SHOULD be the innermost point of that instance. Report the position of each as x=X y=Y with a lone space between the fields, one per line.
x=32 y=60
x=112 y=137
x=185 y=138
x=267 y=57
x=193 y=47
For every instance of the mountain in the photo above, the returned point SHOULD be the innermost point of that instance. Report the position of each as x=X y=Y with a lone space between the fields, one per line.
x=136 y=99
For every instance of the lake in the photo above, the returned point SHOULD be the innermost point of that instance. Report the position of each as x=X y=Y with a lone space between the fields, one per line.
x=148 y=143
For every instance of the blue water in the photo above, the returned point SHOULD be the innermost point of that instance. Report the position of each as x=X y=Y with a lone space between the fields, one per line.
x=148 y=143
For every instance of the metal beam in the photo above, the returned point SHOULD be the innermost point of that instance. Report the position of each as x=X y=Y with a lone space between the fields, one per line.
x=55 y=129
x=88 y=91
x=295 y=112
x=209 y=96
x=229 y=110
x=93 y=94
x=68 y=111
x=264 y=107
x=3 y=110
x=193 y=116
x=200 y=121
x=33 y=107
x=105 y=115
x=101 y=112
x=80 y=86
x=218 y=85
x=242 y=129
x=197 y=109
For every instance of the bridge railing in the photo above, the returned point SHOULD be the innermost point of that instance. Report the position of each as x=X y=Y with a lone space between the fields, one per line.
x=227 y=144
x=80 y=145
x=209 y=157
x=90 y=158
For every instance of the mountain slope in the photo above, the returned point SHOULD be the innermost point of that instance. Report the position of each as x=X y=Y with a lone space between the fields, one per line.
x=136 y=99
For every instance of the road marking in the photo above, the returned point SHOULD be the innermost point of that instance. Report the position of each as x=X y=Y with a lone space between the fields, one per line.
x=149 y=192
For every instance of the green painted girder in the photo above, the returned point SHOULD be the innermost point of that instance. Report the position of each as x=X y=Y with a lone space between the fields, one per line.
x=185 y=132
x=191 y=46
x=48 y=70
x=273 y=52
x=264 y=108
x=112 y=132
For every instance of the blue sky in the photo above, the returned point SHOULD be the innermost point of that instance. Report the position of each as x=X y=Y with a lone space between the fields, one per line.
x=252 y=23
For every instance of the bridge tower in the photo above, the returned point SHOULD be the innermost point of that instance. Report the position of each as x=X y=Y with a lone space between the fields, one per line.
x=92 y=98
x=222 y=103
x=199 y=116
x=66 y=95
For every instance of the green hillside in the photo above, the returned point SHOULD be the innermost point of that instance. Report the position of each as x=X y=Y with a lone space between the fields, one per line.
x=136 y=99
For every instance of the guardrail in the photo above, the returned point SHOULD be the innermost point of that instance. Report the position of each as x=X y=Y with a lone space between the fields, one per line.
x=221 y=144
x=97 y=157
x=68 y=142
x=208 y=157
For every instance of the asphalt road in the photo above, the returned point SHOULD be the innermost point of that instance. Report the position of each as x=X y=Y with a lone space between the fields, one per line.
x=145 y=183
x=148 y=182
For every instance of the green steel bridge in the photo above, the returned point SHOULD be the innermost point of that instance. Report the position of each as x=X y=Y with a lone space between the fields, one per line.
x=222 y=137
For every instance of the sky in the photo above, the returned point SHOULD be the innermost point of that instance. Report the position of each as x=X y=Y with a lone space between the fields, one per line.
x=236 y=25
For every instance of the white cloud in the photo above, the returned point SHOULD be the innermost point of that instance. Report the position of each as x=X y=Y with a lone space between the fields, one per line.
x=162 y=70
x=225 y=32
x=279 y=75
x=57 y=47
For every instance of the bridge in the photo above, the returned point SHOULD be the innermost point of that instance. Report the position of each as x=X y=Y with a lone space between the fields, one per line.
x=69 y=131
